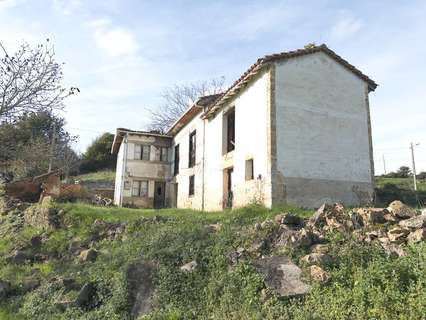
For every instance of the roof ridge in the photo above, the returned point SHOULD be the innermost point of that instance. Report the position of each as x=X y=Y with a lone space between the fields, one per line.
x=260 y=62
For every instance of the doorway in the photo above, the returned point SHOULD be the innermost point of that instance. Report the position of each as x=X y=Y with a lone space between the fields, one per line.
x=228 y=195
x=159 y=194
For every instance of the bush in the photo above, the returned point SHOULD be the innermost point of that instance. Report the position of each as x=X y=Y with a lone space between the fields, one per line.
x=98 y=155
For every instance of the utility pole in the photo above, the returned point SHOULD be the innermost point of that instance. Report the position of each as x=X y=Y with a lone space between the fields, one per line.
x=384 y=163
x=414 y=165
x=52 y=146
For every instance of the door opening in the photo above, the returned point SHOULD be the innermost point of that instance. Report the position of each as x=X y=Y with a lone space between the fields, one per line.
x=159 y=194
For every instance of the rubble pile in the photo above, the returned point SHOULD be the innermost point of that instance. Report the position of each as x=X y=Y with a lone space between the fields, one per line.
x=391 y=228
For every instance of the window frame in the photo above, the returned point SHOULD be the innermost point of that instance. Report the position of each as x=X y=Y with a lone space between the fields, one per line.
x=230 y=131
x=192 y=149
x=249 y=175
x=191 y=185
x=162 y=155
x=142 y=187
x=141 y=152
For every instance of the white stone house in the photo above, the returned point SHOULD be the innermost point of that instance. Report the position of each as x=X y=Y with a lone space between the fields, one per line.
x=293 y=129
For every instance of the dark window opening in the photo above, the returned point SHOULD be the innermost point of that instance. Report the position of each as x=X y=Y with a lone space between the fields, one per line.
x=192 y=148
x=249 y=169
x=191 y=185
x=230 y=131
x=176 y=164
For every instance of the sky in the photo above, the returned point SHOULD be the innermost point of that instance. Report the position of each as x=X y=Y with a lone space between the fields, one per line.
x=122 y=54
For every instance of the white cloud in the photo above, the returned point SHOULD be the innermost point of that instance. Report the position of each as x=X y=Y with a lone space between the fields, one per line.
x=346 y=26
x=116 y=41
x=6 y=4
x=67 y=7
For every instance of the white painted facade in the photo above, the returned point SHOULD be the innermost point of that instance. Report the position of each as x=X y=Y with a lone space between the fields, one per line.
x=304 y=122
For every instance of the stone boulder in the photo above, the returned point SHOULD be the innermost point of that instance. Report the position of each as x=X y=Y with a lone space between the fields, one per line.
x=318 y=274
x=141 y=287
x=282 y=276
x=417 y=236
x=416 y=222
x=236 y=256
x=397 y=234
x=316 y=258
x=88 y=255
x=189 y=267
x=400 y=210
x=393 y=250
x=85 y=296
x=372 y=215
x=320 y=248
x=289 y=219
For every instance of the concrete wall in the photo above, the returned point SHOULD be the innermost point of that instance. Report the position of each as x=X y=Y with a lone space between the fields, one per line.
x=322 y=132
x=118 y=174
x=135 y=169
x=250 y=143
x=184 y=200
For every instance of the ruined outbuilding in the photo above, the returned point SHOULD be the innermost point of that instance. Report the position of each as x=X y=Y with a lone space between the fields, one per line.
x=294 y=128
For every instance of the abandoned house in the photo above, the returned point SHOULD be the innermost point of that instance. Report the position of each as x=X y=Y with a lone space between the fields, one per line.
x=293 y=129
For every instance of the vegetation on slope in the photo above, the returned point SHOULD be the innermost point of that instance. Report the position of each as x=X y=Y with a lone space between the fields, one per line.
x=365 y=283
x=388 y=189
x=98 y=176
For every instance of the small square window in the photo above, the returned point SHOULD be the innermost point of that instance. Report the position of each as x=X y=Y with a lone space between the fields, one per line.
x=191 y=185
x=249 y=170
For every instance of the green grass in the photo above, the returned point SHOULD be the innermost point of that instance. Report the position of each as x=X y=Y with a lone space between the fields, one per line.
x=389 y=189
x=403 y=183
x=366 y=284
x=107 y=175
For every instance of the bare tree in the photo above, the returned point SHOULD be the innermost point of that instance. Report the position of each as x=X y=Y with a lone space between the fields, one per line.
x=178 y=98
x=30 y=81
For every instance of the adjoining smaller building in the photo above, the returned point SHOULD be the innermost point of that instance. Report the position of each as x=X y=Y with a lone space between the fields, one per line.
x=143 y=169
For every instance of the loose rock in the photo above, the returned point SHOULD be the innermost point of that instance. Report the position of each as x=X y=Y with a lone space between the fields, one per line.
x=414 y=222
x=289 y=219
x=397 y=234
x=282 y=276
x=88 y=255
x=417 y=236
x=372 y=215
x=320 y=248
x=85 y=295
x=189 y=267
x=393 y=250
x=400 y=210
x=316 y=258
x=318 y=274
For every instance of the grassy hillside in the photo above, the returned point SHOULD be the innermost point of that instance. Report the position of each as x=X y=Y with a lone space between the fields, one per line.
x=402 y=183
x=365 y=283
x=389 y=189
x=106 y=175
